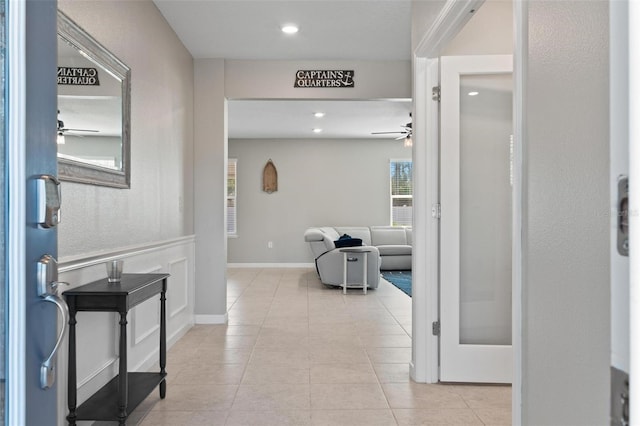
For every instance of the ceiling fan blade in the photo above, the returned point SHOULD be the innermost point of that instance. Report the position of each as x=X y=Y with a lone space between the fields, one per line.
x=80 y=130
x=385 y=133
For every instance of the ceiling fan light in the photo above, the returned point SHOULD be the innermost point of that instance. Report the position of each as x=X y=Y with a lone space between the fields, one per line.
x=289 y=29
x=408 y=142
x=318 y=114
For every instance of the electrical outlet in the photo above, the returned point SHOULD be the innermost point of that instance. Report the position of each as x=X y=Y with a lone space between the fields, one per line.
x=270 y=244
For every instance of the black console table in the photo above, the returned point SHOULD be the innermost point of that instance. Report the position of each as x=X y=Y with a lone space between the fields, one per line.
x=124 y=392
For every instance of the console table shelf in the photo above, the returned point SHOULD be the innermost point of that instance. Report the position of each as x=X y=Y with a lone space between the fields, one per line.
x=103 y=405
x=116 y=399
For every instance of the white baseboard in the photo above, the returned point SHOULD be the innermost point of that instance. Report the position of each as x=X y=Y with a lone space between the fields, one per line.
x=271 y=265
x=212 y=319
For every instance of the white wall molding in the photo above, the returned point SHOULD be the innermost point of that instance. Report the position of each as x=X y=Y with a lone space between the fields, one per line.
x=212 y=319
x=71 y=263
x=425 y=301
x=453 y=16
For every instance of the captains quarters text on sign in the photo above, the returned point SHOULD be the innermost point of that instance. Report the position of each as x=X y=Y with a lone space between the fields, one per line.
x=324 y=78
x=76 y=76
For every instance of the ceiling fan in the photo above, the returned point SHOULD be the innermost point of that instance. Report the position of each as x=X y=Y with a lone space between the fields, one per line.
x=405 y=134
x=62 y=130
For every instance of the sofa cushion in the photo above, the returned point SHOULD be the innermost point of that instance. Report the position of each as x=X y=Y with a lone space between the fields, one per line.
x=388 y=235
x=321 y=239
x=394 y=250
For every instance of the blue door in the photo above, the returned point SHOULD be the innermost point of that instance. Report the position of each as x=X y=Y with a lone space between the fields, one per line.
x=29 y=119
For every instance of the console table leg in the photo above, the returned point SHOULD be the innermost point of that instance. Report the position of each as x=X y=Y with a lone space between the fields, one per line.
x=364 y=273
x=71 y=373
x=163 y=339
x=123 y=385
x=344 y=273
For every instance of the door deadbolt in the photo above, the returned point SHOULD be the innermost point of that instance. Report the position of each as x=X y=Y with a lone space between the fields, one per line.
x=623 y=216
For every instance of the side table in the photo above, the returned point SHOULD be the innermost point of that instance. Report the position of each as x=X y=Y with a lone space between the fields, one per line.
x=116 y=399
x=352 y=250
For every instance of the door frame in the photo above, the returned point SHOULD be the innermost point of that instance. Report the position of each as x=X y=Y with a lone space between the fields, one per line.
x=452 y=18
x=16 y=199
x=634 y=219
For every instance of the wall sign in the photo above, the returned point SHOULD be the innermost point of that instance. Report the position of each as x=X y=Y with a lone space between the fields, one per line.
x=324 y=78
x=75 y=76
x=270 y=178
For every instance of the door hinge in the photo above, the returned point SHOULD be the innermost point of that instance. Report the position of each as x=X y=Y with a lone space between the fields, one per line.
x=435 y=328
x=435 y=93
x=436 y=211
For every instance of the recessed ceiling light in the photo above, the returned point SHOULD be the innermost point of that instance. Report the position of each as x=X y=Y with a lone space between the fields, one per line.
x=317 y=130
x=473 y=93
x=318 y=114
x=289 y=29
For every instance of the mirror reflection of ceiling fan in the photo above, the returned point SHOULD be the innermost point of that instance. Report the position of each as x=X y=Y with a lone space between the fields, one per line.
x=63 y=130
x=405 y=134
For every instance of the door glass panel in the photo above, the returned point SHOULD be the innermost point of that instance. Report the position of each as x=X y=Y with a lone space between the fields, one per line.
x=485 y=209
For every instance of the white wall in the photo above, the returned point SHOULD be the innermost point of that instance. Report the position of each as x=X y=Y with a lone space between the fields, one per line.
x=217 y=80
x=321 y=182
x=91 y=147
x=488 y=32
x=210 y=191
x=423 y=15
x=159 y=204
x=565 y=330
x=274 y=80
x=149 y=225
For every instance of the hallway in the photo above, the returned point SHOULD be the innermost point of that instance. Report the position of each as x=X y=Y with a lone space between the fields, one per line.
x=298 y=353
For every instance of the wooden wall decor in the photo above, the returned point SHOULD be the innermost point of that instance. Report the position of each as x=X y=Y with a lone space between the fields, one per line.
x=270 y=178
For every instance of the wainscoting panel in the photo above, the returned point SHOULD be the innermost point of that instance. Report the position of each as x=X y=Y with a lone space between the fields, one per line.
x=178 y=293
x=97 y=332
x=145 y=320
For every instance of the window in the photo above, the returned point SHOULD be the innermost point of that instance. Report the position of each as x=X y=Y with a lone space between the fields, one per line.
x=401 y=192
x=232 y=222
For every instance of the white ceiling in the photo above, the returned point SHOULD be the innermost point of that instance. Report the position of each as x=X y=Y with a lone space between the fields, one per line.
x=295 y=119
x=329 y=30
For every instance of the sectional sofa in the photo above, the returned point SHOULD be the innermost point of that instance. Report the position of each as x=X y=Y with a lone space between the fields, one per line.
x=390 y=249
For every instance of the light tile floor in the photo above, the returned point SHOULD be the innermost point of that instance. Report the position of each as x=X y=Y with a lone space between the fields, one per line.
x=298 y=353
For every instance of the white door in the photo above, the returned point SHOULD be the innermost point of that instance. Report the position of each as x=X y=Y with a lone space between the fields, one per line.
x=475 y=241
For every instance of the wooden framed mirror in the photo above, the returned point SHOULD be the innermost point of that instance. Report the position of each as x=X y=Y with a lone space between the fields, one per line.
x=94 y=89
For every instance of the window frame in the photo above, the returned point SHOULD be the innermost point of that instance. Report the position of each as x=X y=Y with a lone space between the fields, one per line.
x=393 y=197
x=232 y=162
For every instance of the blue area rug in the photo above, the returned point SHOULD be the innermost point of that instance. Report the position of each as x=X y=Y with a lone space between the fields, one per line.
x=401 y=279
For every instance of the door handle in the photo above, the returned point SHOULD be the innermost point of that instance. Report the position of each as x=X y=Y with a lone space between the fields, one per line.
x=48 y=284
x=48 y=369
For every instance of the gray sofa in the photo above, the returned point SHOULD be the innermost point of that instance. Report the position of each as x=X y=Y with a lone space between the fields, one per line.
x=390 y=250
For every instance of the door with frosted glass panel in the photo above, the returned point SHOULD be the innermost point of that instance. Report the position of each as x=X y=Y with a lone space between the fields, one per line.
x=476 y=201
